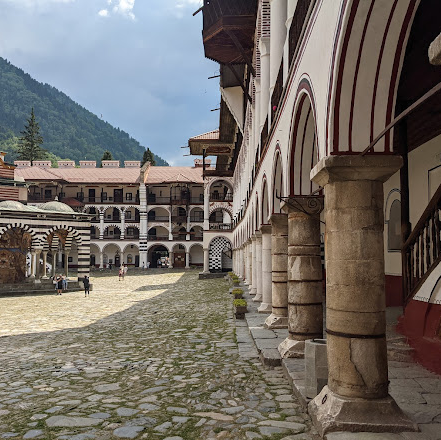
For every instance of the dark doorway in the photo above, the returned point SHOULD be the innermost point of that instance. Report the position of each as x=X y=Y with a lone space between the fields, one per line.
x=136 y=260
x=117 y=260
x=92 y=260
x=91 y=195
x=118 y=195
x=158 y=253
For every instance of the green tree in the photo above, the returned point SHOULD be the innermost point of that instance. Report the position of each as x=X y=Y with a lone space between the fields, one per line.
x=29 y=143
x=148 y=157
x=106 y=156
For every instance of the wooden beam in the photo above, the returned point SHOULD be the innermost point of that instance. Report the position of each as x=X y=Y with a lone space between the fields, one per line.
x=240 y=81
x=241 y=50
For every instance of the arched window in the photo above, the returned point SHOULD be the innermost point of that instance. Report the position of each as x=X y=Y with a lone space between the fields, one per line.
x=394 y=227
x=129 y=259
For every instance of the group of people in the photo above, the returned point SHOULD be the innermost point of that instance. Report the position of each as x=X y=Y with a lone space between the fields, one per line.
x=60 y=283
x=122 y=272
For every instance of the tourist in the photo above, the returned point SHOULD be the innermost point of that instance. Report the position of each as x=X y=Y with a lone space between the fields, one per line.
x=120 y=273
x=64 y=280
x=59 y=281
x=126 y=268
x=148 y=264
x=86 y=283
x=143 y=265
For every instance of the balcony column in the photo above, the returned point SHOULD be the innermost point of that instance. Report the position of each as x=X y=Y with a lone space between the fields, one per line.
x=187 y=260
x=253 y=290
x=305 y=285
x=264 y=46
x=44 y=265
x=33 y=264
x=102 y=227
x=123 y=223
x=101 y=259
x=207 y=208
x=256 y=114
x=291 y=8
x=357 y=391
x=258 y=297
x=279 y=9
x=279 y=249
x=248 y=266
x=266 y=305
x=187 y=236
x=170 y=227
x=206 y=260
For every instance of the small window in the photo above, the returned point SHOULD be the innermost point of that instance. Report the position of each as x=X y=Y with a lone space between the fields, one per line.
x=129 y=259
x=394 y=227
x=129 y=196
x=104 y=196
x=128 y=215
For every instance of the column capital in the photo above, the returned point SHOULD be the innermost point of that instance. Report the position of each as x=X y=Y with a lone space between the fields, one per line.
x=309 y=205
x=258 y=234
x=332 y=169
x=279 y=219
x=265 y=229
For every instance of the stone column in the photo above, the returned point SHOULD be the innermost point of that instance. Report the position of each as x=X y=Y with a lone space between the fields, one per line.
x=264 y=47
x=249 y=267
x=32 y=263
x=102 y=226
x=101 y=260
x=37 y=266
x=66 y=263
x=305 y=285
x=266 y=305
x=253 y=290
x=279 y=249
x=187 y=260
x=171 y=258
x=258 y=297
x=206 y=261
x=44 y=265
x=170 y=228
x=356 y=397
x=54 y=263
x=123 y=224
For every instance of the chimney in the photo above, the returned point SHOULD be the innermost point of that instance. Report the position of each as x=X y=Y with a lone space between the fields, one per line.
x=110 y=163
x=87 y=163
x=132 y=164
x=66 y=164
x=22 y=163
x=42 y=163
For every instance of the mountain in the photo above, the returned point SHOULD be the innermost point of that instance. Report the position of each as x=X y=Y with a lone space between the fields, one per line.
x=69 y=130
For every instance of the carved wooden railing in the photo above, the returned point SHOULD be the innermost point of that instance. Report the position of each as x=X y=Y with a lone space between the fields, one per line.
x=422 y=251
x=264 y=136
x=297 y=25
x=277 y=93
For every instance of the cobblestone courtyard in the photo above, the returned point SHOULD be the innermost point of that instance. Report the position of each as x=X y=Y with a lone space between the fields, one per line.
x=152 y=357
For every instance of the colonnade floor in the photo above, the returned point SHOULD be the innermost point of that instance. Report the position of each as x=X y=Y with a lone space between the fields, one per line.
x=416 y=390
x=156 y=356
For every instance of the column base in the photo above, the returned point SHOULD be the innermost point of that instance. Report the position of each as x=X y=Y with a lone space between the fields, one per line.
x=45 y=278
x=258 y=297
x=253 y=291
x=291 y=348
x=331 y=412
x=37 y=281
x=276 y=321
x=265 y=308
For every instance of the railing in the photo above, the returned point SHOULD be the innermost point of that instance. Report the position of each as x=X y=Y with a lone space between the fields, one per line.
x=196 y=201
x=158 y=218
x=157 y=237
x=153 y=200
x=112 y=220
x=179 y=200
x=298 y=21
x=41 y=198
x=277 y=93
x=196 y=219
x=132 y=220
x=131 y=237
x=179 y=218
x=422 y=251
x=220 y=226
x=216 y=9
x=216 y=197
x=196 y=237
x=112 y=237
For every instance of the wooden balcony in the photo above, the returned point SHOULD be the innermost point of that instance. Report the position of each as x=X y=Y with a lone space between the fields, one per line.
x=228 y=30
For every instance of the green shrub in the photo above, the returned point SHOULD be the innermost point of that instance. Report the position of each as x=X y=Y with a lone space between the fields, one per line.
x=239 y=303
x=237 y=291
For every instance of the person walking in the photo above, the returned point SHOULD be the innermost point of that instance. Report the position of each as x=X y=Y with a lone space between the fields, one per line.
x=126 y=268
x=120 y=273
x=59 y=281
x=86 y=283
x=65 y=280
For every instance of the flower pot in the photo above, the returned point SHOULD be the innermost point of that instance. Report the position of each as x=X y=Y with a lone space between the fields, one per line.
x=240 y=311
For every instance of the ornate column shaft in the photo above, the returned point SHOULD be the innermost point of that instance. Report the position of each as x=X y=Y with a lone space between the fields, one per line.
x=253 y=290
x=44 y=264
x=305 y=285
x=356 y=397
x=266 y=305
x=279 y=251
x=258 y=297
x=32 y=263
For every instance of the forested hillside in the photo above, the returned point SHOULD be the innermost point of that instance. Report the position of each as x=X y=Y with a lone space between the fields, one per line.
x=69 y=130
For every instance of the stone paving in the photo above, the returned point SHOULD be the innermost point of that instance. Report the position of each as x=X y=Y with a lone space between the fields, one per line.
x=152 y=357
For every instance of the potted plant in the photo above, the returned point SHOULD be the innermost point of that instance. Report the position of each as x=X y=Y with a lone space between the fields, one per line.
x=237 y=293
x=240 y=306
x=235 y=281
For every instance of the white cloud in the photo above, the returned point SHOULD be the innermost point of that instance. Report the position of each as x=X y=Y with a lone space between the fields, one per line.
x=179 y=6
x=122 y=7
x=34 y=3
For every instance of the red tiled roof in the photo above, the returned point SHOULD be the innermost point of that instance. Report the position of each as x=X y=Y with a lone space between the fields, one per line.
x=174 y=175
x=210 y=135
x=81 y=175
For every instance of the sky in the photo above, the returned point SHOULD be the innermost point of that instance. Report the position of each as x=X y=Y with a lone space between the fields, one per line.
x=138 y=63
